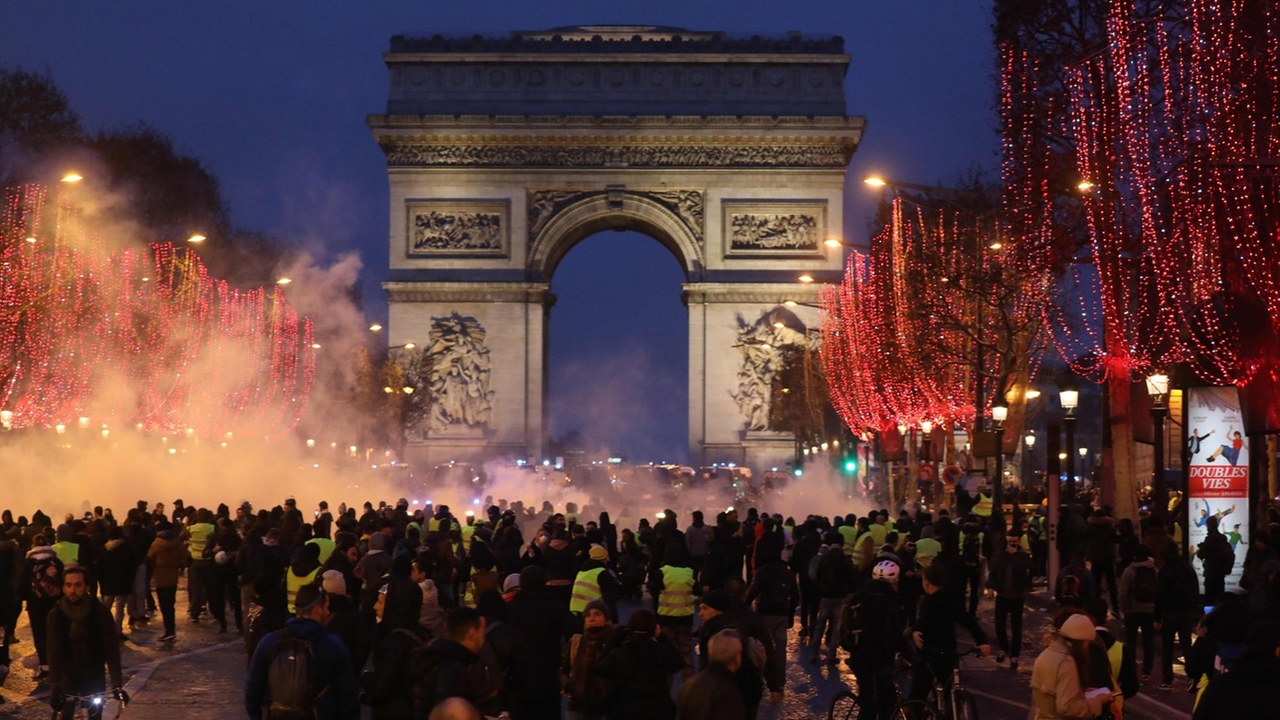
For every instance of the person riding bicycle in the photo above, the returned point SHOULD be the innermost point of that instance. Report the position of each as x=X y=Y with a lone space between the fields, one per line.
x=872 y=629
x=82 y=641
x=934 y=634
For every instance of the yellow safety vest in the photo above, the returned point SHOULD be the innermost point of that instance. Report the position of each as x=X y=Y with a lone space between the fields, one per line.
x=676 y=598
x=984 y=506
x=586 y=588
x=1115 y=657
x=468 y=597
x=467 y=532
x=326 y=546
x=849 y=534
x=878 y=533
x=860 y=554
x=67 y=552
x=197 y=538
x=294 y=583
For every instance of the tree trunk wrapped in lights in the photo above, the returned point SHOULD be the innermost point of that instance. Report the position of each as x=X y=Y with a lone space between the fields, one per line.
x=138 y=335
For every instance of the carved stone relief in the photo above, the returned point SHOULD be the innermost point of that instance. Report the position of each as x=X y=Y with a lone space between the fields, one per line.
x=685 y=204
x=760 y=344
x=772 y=228
x=450 y=377
x=458 y=228
x=804 y=156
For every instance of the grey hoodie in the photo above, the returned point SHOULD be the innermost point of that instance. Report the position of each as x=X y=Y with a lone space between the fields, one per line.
x=1129 y=604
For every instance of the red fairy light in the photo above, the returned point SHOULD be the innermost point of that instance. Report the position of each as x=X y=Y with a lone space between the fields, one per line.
x=131 y=336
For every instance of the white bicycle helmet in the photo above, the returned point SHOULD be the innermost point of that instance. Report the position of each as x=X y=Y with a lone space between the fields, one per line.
x=886 y=570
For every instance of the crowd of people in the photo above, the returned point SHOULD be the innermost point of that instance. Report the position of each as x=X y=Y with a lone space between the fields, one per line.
x=515 y=612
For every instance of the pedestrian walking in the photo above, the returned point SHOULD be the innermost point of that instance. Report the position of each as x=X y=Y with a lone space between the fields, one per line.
x=166 y=557
x=84 y=648
x=1176 y=609
x=712 y=694
x=1218 y=559
x=1010 y=580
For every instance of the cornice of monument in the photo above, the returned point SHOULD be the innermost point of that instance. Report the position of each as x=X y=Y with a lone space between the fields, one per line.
x=854 y=123
x=517 y=292
x=605 y=43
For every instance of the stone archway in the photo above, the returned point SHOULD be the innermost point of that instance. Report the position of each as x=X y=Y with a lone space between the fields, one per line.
x=503 y=153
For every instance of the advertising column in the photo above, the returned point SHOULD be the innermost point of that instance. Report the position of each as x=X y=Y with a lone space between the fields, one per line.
x=1219 y=479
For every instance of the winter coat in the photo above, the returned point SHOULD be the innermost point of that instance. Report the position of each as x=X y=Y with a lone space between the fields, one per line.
x=1179 y=588
x=1055 y=686
x=711 y=695
x=1217 y=555
x=75 y=666
x=117 y=568
x=346 y=623
x=393 y=655
x=1009 y=574
x=544 y=621
x=445 y=669
x=1100 y=540
x=587 y=691
x=432 y=617
x=640 y=668
x=10 y=576
x=332 y=668
x=1130 y=604
x=748 y=678
x=774 y=590
x=166 y=557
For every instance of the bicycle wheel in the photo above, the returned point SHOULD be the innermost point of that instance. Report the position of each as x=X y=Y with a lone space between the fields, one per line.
x=914 y=710
x=965 y=708
x=844 y=706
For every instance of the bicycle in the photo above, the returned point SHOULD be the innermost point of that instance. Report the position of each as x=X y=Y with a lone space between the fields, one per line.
x=945 y=701
x=88 y=706
x=844 y=706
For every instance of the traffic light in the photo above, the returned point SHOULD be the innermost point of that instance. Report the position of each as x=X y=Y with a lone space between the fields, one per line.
x=850 y=466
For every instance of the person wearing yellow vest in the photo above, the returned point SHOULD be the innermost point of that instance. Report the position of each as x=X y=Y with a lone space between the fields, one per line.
x=592 y=580
x=468 y=531
x=197 y=537
x=302 y=572
x=326 y=547
x=864 y=548
x=879 y=530
x=972 y=558
x=984 y=506
x=67 y=549
x=672 y=585
x=927 y=547
x=848 y=535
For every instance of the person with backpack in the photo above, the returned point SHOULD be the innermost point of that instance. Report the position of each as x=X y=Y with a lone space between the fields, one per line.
x=803 y=564
x=1100 y=550
x=82 y=642
x=972 y=556
x=834 y=581
x=712 y=693
x=717 y=613
x=397 y=608
x=1074 y=585
x=1139 y=586
x=503 y=655
x=1010 y=580
x=639 y=663
x=872 y=626
x=302 y=671
x=41 y=584
x=1177 y=607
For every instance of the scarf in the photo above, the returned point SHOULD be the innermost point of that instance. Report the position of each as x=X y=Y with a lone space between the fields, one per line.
x=77 y=615
x=584 y=687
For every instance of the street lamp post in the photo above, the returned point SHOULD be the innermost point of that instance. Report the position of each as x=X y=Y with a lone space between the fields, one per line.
x=1069 y=397
x=999 y=413
x=1158 y=389
x=1027 y=463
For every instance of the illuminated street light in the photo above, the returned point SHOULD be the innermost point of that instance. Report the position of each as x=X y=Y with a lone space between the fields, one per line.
x=409 y=346
x=315 y=346
x=387 y=390
x=31 y=239
x=995 y=246
x=196 y=239
x=83 y=422
x=407 y=390
x=1084 y=451
x=311 y=443
x=1030 y=440
x=375 y=327
x=1084 y=186
x=875 y=181
x=790 y=303
x=72 y=177
x=284 y=281
x=832 y=243
x=805 y=278
x=1032 y=394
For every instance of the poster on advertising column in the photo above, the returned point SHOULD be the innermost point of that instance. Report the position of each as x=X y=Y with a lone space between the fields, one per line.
x=1218 y=486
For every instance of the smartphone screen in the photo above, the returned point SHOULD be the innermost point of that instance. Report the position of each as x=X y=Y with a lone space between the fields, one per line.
x=1208 y=609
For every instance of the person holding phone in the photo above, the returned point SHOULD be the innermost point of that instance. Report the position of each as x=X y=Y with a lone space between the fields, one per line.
x=1060 y=679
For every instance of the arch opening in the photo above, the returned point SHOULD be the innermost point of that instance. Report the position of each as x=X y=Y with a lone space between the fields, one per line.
x=617 y=349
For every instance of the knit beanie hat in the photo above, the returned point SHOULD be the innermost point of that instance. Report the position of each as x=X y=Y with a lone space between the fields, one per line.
x=334 y=582
x=1078 y=627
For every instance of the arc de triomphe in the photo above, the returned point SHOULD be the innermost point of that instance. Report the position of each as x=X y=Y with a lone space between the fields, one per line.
x=503 y=153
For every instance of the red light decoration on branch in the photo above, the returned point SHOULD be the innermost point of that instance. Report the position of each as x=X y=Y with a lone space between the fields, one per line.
x=139 y=336
x=1176 y=127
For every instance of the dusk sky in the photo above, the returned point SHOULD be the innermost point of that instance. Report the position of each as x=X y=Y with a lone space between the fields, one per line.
x=272 y=97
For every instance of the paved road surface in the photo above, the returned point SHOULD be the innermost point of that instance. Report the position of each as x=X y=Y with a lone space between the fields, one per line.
x=201 y=676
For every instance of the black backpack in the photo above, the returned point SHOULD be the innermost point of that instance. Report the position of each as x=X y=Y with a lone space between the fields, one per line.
x=832 y=573
x=871 y=626
x=1069 y=591
x=971 y=551
x=1144 y=585
x=291 y=680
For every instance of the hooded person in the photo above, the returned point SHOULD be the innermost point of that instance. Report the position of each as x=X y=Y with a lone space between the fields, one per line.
x=397 y=608
x=504 y=656
x=346 y=552
x=544 y=620
x=375 y=563
x=267 y=612
x=345 y=620
x=432 y=617
x=303 y=571
x=639 y=664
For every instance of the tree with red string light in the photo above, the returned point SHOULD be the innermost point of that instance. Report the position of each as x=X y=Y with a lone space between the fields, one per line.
x=1172 y=121
x=138 y=335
